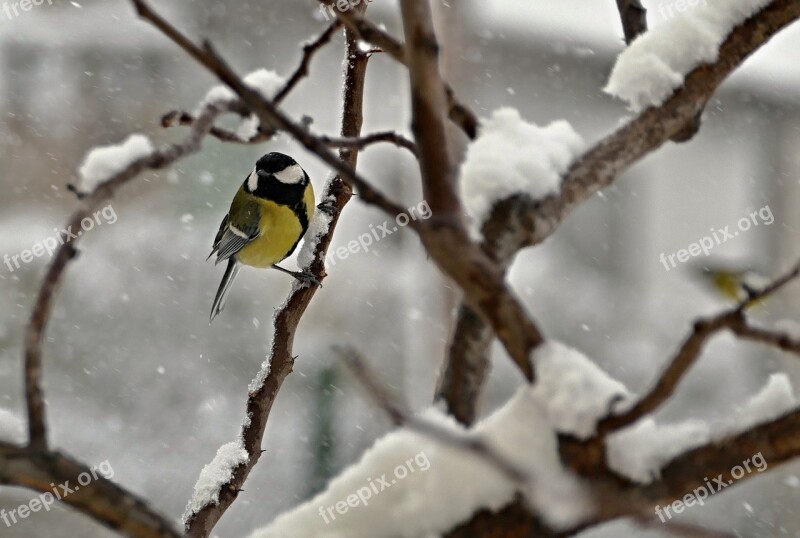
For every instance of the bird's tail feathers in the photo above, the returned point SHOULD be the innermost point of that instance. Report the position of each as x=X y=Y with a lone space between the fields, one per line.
x=224 y=287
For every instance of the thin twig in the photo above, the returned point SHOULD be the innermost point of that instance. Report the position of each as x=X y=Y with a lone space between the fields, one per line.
x=367 y=140
x=184 y=118
x=309 y=49
x=400 y=417
x=733 y=319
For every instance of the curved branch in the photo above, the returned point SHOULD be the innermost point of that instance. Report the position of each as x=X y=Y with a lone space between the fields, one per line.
x=106 y=502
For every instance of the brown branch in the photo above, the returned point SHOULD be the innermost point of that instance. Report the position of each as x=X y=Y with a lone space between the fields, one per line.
x=260 y=401
x=367 y=140
x=775 y=339
x=634 y=18
x=107 y=503
x=428 y=110
x=401 y=417
x=734 y=320
x=519 y=221
x=224 y=135
x=309 y=49
x=458 y=113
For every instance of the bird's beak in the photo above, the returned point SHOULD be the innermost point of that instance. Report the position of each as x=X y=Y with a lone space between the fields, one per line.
x=262 y=173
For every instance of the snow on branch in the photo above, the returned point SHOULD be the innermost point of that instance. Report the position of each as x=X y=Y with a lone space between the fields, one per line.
x=641 y=451
x=511 y=156
x=657 y=62
x=103 y=162
x=214 y=476
x=459 y=482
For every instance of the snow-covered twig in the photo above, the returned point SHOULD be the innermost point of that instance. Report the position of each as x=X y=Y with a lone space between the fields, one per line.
x=225 y=135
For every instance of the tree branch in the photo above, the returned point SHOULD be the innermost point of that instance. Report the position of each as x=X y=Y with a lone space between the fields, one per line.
x=401 y=417
x=309 y=49
x=446 y=241
x=634 y=18
x=367 y=140
x=102 y=500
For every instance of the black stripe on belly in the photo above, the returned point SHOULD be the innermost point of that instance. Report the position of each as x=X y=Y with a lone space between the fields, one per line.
x=299 y=210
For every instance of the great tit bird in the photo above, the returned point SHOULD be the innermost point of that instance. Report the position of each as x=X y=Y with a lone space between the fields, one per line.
x=735 y=284
x=268 y=215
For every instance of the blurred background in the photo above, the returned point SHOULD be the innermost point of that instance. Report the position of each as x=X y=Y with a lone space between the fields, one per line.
x=135 y=375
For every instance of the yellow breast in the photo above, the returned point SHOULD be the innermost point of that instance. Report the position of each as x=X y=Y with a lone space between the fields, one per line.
x=280 y=230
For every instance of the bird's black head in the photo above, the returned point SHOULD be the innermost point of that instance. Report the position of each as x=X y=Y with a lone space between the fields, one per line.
x=277 y=176
x=274 y=162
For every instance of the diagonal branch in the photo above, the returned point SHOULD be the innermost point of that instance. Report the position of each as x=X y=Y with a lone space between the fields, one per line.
x=734 y=320
x=309 y=50
x=106 y=502
x=401 y=417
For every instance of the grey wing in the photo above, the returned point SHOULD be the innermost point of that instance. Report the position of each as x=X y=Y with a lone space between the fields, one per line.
x=230 y=239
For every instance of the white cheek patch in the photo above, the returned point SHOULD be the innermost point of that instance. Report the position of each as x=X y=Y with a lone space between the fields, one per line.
x=290 y=174
x=252 y=181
